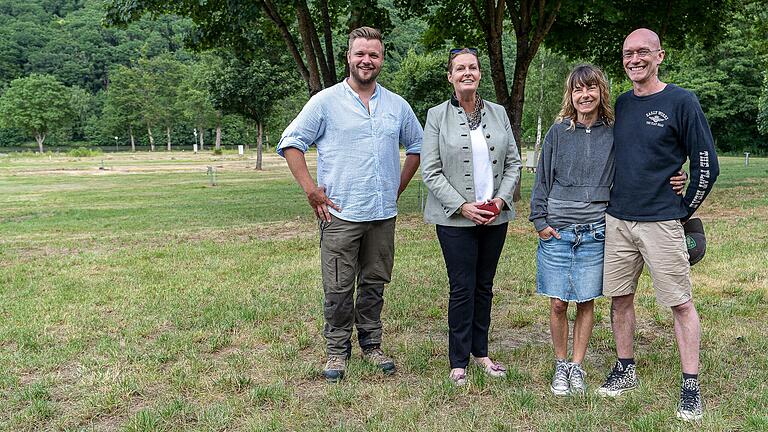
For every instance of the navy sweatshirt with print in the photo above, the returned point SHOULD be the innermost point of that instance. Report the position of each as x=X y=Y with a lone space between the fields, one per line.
x=653 y=137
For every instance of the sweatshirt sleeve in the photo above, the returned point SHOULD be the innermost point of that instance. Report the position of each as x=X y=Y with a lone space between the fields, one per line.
x=700 y=146
x=541 y=184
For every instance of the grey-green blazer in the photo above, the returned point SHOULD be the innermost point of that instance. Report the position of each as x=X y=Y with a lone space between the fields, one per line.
x=446 y=162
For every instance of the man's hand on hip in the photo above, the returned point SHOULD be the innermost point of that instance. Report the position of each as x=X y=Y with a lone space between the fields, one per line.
x=320 y=203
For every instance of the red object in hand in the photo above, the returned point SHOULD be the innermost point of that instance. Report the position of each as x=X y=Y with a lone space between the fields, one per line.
x=489 y=206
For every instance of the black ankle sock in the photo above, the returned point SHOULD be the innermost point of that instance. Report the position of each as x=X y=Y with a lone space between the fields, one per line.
x=626 y=362
x=689 y=376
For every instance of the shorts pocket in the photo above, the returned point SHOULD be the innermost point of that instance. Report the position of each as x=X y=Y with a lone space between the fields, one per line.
x=599 y=235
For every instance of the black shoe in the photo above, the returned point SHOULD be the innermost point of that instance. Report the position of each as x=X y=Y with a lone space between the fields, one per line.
x=690 y=408
x=619 y=380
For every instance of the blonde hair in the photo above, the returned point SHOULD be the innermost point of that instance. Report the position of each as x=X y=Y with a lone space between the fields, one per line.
x=369 y=33
x=581 y=76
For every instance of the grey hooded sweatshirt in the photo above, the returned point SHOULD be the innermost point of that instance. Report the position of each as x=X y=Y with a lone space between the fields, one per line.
x=574 y=175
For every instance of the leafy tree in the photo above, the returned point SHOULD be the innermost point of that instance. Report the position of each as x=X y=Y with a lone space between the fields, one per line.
x=244 y=26
x=585 y=29
x=544 y=87
x=123 y=105
x=728 y=77
x=37 y=104
x=194 y=100
x=762 y=115
x=421 y=80
x=85 y=106
x=160 y=78
x=249 y=89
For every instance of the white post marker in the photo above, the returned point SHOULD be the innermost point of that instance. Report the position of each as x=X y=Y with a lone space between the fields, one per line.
x=240 y=150
x=194 y=148
x=530 y=161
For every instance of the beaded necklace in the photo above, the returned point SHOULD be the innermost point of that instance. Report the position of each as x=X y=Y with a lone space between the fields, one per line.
x=476 y=115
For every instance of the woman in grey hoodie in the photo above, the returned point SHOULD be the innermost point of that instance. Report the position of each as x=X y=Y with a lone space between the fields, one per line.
x=568 y=202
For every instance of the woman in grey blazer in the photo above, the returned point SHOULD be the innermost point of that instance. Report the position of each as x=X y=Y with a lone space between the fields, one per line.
x=470 y=166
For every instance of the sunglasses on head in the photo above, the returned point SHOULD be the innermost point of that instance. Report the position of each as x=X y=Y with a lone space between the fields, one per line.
x=458 y=50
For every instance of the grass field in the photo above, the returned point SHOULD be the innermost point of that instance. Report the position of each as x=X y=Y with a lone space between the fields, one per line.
x=138 y=297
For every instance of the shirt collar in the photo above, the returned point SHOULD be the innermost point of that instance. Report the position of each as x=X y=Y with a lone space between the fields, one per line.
x=348 y=88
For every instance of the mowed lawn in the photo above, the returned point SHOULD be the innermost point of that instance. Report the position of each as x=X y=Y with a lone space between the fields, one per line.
x=139 y=297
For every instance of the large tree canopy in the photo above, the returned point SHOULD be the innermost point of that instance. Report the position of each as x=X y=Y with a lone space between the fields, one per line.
x=243 y=26
x=593 y=29
x=37 y=104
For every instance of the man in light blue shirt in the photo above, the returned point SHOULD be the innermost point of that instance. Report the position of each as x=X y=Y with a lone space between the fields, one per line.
x=357 y=126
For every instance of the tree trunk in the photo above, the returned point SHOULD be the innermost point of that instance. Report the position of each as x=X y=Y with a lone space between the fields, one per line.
x=537 y=147
x=133 y=142
x=247 y=139
x=200 y=134
x=151 y=139
x=528 y=35
x=313 y=85
x=311 y=37
x=328 y=35
x=40 y=138
x=168 y=134
x=258 y=146
x=306 y=29
x=218 y=136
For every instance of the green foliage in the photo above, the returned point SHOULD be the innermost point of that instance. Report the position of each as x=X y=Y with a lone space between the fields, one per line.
x=728 y=78
x=596 y=30
x=37 y=104
x=421 y=80
x=194 y=101
x=70 y=44
x=250 y=89
x=762 y=115
x=544 y=92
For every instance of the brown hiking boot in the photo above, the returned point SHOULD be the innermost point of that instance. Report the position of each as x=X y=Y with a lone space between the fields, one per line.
x=376 y=357
x=335 y=368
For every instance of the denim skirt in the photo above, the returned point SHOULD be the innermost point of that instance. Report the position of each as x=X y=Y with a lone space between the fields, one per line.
x=571 y=268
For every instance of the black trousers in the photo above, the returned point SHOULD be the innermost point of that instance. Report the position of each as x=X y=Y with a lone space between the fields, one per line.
x=471 y=255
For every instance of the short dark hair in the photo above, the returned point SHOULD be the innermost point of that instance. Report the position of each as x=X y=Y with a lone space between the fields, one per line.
x=459 y=51
x=369 y=33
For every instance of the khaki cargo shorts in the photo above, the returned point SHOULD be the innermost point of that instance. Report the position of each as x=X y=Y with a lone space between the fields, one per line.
x=660 y=245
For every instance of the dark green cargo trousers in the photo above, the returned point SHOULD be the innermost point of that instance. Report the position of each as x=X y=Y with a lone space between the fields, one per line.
x=355 y=253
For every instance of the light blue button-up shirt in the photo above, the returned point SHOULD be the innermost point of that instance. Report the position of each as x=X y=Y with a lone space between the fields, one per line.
x=358 y=152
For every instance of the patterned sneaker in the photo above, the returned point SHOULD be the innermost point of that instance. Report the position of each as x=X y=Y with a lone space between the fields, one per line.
x=619 y=380
x=690 y=408
x=576 y=378
x=560 y=385
x=376 y=356
x=335 y=368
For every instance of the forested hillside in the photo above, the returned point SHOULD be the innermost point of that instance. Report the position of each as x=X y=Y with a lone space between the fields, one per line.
x=158 y=81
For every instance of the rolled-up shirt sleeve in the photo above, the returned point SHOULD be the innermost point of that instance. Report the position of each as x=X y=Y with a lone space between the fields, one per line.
x=411 y=132
x=304 y=129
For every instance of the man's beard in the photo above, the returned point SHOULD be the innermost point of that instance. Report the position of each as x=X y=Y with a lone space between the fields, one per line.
x=364 y=81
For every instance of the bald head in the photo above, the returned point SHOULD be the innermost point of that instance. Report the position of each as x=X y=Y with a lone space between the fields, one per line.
x=642 y=54
x=645 y=37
